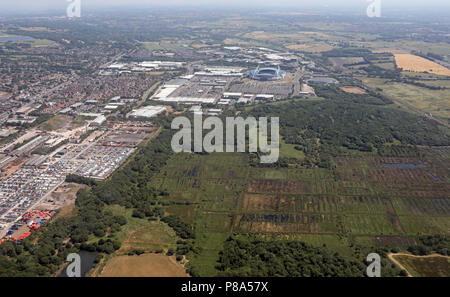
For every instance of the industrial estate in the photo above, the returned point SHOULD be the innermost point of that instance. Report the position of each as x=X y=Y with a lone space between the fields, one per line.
x=96 y=146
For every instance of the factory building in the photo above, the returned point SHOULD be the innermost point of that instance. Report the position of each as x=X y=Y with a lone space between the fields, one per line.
x=147 y=112
x=98 y=121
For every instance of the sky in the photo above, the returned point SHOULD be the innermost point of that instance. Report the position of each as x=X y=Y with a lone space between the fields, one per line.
x=43 y=5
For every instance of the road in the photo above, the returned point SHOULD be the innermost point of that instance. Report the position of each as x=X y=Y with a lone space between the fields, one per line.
x=297 y=87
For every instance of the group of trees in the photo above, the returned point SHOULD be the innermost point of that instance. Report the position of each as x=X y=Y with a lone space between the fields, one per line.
x=243 y=257
x=149 y=212
x=342 y=121
x=129 y=186
x=347 y=52
x=368 y=58
x=74 y=178
x=376 y=71
x=250 y=256
x=335 y=93
x=182 y=229
x=427 y=245
x=107 y=246
x=416 y=83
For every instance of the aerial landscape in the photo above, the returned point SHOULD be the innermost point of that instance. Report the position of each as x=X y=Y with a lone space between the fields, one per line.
x=356 y=107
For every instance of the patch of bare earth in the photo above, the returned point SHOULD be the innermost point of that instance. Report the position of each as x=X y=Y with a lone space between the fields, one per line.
x=147 y=265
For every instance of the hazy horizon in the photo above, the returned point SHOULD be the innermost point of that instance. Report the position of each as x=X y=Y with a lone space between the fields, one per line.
x=33 y=6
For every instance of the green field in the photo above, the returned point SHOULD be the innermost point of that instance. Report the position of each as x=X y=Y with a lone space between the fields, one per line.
x=357 y=203
x=436 y=102
x=162 y=45
x=141 y=233
x=288 y=150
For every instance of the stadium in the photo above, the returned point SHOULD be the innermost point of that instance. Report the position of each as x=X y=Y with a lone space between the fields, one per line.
x=267 y=73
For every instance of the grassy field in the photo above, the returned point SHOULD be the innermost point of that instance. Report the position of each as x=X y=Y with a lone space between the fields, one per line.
x=362 y=201
x=428 y=266
x=436 y=102
x=143 y=234
x=162 y=45
x=34 y=43
x=317 y=47
x=406 y=46
x=60 y=122
x=288 y=150
x=436 y=83
x=43 y=43
x=312 y=42
x=147 y=265
x=353 y=90
x=385 y=65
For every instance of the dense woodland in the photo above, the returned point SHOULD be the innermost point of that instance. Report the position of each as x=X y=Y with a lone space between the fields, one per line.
x=366 y=123
x=427 y=245
x=242 y=257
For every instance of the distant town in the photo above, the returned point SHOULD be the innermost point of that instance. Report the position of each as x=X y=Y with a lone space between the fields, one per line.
x=88 y=166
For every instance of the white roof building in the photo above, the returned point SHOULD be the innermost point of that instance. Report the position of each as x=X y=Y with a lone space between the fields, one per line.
x=224 y=102
x=232 y=95
x=116 y=66
x=188 y=100
x=166 y=91
x=264 y=97
x=65 y=110
x=147 y=112
x=244 y=100
x=111 y=107
x=98 y=121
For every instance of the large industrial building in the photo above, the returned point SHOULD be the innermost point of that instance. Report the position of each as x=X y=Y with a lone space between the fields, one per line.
x=98 y=121
x=147 y=112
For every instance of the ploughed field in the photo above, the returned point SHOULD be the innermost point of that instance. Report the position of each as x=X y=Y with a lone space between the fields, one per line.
x=370 y=200
x=414 y=63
